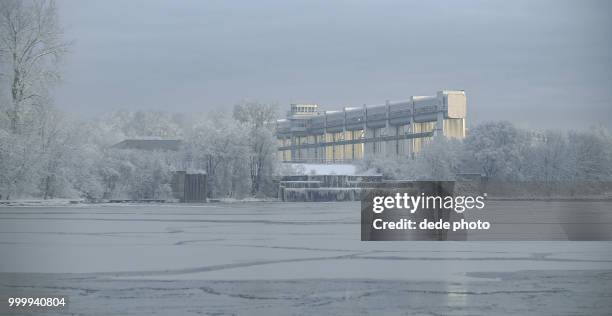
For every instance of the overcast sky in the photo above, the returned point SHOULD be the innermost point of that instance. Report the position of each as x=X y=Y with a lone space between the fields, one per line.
x=538 y=64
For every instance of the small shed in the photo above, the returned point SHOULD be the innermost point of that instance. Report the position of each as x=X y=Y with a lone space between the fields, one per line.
x=189 y=187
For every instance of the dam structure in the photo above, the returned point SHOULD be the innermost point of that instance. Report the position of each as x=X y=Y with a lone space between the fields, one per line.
x=392 y=129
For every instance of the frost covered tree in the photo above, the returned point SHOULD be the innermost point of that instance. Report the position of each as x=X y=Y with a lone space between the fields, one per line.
x=58 y=145
x=258 y=118
x=218 y=145
x=19 y=164
x=548 y=160
x=30 y=46
x=498 y=149
x=133 y=174
x=590 y=156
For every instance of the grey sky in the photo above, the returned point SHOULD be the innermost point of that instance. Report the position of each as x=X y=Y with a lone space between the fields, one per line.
x=539 y=64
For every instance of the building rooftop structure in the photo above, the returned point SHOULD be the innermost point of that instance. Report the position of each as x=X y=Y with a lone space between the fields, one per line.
x=150 y=144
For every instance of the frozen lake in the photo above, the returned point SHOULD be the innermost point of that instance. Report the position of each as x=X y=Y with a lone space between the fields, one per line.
x=289 y=258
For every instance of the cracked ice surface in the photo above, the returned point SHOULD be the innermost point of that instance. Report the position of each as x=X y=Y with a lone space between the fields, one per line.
x=288 y=258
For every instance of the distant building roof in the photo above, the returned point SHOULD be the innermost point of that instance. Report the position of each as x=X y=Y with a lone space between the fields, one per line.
x=150 y=144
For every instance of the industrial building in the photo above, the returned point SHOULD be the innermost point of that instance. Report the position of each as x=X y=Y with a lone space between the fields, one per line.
x=392 y=129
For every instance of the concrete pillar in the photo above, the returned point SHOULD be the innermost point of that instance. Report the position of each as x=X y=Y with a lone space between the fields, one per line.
x=389 y=146
x=324 y=149
x=367 y=134
x=409 y=143
x=439 y=127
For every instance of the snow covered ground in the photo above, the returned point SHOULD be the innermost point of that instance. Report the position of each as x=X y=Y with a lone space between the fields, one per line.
x=290 y=258
x=324 y=169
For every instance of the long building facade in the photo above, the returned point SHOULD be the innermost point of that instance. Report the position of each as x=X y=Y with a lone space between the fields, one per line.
x=392 y=129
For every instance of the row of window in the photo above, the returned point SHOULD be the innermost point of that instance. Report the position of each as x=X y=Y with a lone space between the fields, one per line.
x=304 y=109
x=454 y=128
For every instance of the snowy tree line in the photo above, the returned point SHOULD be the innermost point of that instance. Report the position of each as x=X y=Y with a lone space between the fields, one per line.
x=513 y=160
x=58 y=156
